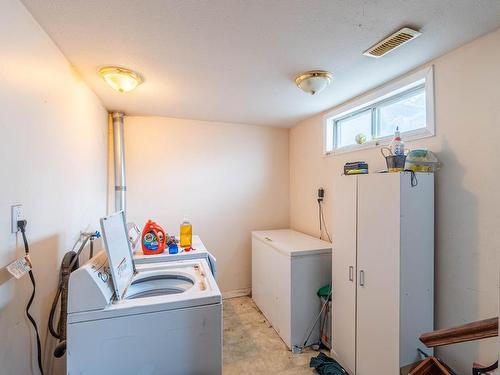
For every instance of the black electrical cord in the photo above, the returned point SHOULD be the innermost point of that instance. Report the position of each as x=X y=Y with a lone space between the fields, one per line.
x=21 y=224
x=485 y=370
x=319 y=219
x=322 y=221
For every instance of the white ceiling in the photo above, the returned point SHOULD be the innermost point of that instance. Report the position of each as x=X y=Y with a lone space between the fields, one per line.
x=235 y=60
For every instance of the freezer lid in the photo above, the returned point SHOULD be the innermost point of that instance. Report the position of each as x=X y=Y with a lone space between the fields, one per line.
x=121 y=263
x=293 y=243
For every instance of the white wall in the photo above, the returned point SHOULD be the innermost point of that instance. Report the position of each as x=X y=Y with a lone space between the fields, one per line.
x=467 y=102
x=229 y=179
x=53 y=161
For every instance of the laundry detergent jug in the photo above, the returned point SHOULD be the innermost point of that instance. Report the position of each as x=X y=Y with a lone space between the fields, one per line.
x=153 y=238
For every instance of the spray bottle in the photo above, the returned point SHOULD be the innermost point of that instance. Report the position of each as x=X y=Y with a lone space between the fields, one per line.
x=397 y=145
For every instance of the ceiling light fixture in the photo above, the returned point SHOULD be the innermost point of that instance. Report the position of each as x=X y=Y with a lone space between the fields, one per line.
x=120 y=79
x=313 y=81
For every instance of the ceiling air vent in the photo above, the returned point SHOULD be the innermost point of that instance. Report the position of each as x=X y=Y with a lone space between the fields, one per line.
x=392 y=42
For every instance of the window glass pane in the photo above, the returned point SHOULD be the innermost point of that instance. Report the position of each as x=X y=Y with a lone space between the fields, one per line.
x=329 y=136
x=350 y=127
x=407 y=112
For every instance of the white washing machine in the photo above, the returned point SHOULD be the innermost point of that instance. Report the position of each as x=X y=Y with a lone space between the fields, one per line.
x=158 y=318
x=199 y=251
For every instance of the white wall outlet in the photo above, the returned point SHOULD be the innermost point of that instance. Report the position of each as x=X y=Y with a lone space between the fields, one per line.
x=16 y=213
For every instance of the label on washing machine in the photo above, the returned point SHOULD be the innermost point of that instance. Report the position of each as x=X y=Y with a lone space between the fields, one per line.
x=100 y=267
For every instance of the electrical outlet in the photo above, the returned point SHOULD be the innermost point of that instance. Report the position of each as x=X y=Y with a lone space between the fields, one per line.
x=321 y=194
x=16 y=214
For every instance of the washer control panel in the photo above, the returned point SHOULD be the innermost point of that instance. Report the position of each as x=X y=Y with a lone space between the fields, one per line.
x=90 y=286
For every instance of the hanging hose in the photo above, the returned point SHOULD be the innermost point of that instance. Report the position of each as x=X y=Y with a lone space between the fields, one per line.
x=91 y=251
x=68 y=265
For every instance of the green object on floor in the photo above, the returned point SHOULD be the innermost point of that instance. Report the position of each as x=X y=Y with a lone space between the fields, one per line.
x=325 y=365
x=325 y=291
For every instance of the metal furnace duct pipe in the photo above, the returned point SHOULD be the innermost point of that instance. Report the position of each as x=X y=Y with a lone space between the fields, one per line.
x=119 y=156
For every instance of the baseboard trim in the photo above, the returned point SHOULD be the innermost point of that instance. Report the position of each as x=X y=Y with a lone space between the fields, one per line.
x=236 y=293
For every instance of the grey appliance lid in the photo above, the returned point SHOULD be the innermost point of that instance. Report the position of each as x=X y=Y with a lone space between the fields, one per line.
x=121 y=263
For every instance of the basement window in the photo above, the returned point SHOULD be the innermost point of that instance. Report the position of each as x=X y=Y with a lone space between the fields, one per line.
x=370 y=121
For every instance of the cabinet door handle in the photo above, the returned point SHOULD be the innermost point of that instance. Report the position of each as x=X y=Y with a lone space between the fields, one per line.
x=351 y=273
x=361 y=278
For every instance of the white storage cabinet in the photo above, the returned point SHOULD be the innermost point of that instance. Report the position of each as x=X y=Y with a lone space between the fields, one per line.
x=288 y=268
x=383 y=270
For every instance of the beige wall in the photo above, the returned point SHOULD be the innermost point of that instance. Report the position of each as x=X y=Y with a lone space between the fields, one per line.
x=53 y=161
x=467 y=102
x=229 y=179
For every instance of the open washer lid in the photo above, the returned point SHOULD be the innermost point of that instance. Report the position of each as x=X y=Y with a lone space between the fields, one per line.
x=121 y=263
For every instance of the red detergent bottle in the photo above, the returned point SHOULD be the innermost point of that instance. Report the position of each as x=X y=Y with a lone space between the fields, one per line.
x=153 y=238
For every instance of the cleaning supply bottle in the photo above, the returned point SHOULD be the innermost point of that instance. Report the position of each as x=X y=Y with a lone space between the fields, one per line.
x=153 y=238
x=186 y=237
x=397 y=145
x=173 y=249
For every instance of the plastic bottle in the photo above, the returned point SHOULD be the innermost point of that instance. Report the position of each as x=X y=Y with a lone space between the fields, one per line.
x=172 y=248
x=397 y=145
x=153 y=238
x=186 y=237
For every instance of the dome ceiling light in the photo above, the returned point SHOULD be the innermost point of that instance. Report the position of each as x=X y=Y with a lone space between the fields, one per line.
x=120 y=79
x=313 y=81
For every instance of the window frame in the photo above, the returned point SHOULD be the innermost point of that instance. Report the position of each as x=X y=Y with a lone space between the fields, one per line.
x=385 y=94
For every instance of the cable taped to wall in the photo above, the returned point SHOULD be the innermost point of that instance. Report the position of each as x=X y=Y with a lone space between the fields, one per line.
x=321 y=215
